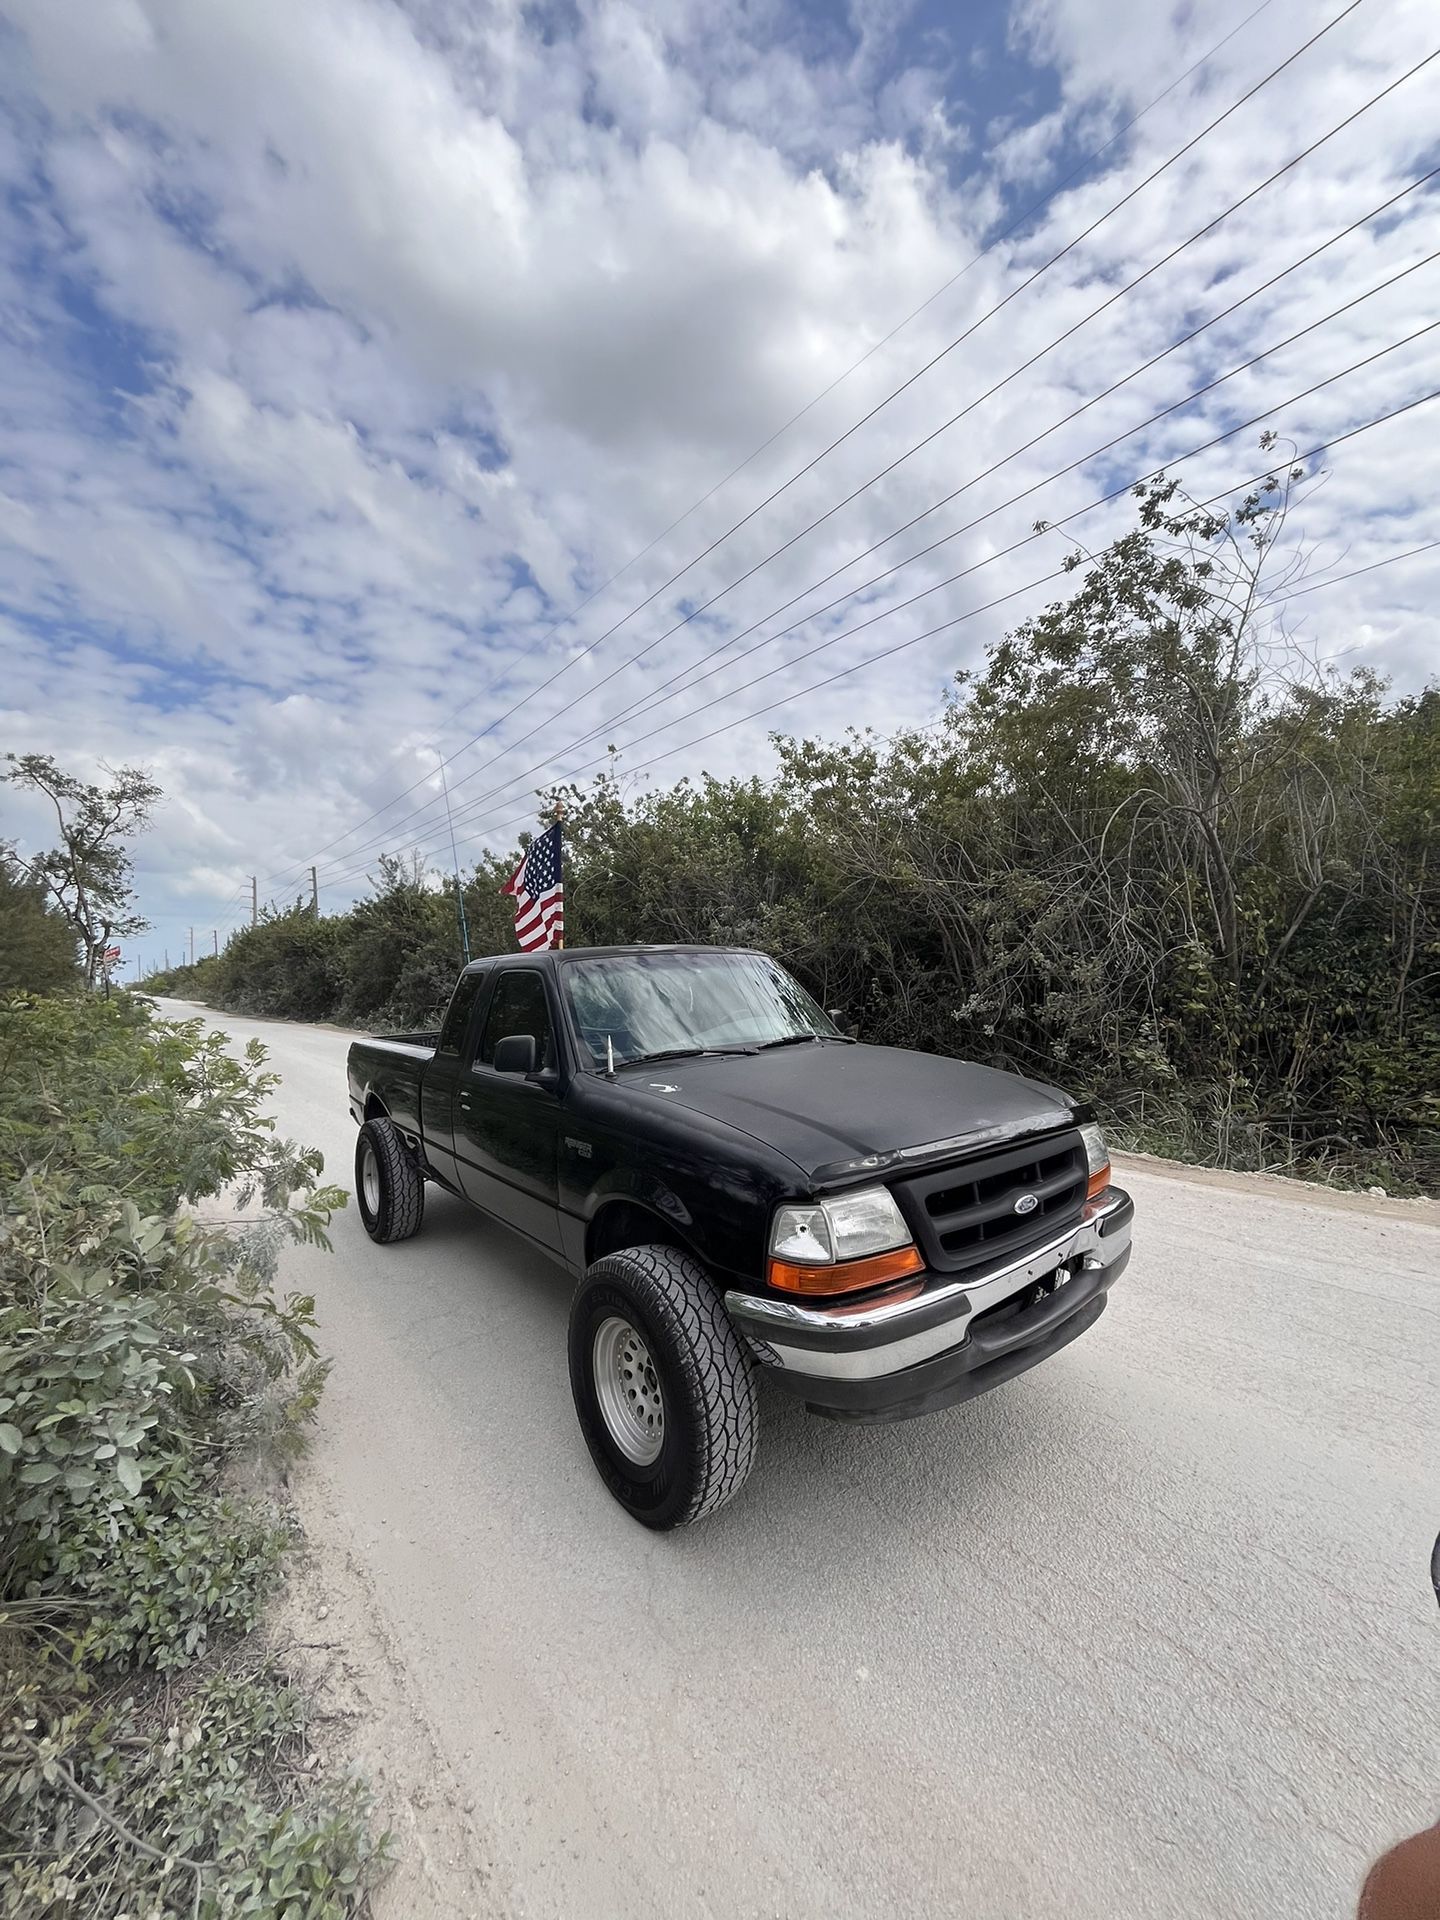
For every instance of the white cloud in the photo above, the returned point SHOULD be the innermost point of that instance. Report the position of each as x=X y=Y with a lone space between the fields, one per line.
x=346 y=347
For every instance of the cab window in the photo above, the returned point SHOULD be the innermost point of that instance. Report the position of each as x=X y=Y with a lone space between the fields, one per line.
x=457 y=1017
x=518 y=1006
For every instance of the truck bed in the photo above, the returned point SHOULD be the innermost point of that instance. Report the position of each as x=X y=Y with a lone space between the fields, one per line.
x=391 y=1067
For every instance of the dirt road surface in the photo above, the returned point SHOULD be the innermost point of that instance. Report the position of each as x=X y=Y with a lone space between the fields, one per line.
x=1146 y=1633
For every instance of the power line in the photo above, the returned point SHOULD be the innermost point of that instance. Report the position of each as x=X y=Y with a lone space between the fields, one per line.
x=1115 y=493
x=890 y=652
x=650 y=700
x=520 y=819
x=894 y=394
x=1390 y=560
x=1077 y=513
x=1037 y=533
x=658 y=696
x=1055 y=574
x=1036 y=206
x=425 y=807
x=1110 y=301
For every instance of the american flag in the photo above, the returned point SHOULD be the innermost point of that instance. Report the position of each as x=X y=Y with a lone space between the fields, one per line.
x=539 y=888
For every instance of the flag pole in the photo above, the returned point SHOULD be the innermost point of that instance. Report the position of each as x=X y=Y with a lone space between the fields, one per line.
x=560 y=822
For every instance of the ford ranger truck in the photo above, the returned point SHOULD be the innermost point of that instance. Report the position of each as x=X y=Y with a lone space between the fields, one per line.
x=741 y=1189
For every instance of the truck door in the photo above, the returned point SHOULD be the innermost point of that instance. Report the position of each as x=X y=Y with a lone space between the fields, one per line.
x=438 y=1082
x=506 y=1126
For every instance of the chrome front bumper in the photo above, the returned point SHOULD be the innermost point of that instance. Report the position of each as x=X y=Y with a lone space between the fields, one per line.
x=807 y=1346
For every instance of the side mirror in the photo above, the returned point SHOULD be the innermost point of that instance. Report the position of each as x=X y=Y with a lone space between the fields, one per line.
x=849 y=1028
x=515 y=1054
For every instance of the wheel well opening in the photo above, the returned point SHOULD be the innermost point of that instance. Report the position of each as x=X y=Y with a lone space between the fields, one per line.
x=624 y=1224
x=375 y=1108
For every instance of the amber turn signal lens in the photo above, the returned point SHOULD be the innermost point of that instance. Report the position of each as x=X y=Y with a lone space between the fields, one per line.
x=845 y=1276
x=1098 y=1182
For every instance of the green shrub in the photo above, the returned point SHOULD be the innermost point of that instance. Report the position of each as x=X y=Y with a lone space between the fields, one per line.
x=131 y=1341
x=97 y=1092
x=288 y=966
x=155 y=1576
x=142 y=1352
x=214 y=1788
x=37 y=946
x=86 y=1379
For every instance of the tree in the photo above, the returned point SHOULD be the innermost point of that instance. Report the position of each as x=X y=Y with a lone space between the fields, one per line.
x=88 y=874
x=37 y=945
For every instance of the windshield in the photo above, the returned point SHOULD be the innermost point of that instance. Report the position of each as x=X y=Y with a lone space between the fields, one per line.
x=646 y=1004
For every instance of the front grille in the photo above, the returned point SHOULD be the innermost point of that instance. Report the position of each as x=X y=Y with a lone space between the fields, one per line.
x=965 y=1216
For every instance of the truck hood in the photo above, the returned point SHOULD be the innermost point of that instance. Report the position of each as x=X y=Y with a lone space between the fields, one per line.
x=837 y=1111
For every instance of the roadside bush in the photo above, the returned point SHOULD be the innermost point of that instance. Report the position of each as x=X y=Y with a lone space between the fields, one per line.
x=397 y=950
x=103 y=1105
x=37 y=946
x=143 y=1350
x=157 y=1575
x=196 y=1806
x=288 y=965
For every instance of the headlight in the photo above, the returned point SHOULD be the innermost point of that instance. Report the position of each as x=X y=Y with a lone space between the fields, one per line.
x=1097 y=1159
x=845 y=1228
x=839 y=1245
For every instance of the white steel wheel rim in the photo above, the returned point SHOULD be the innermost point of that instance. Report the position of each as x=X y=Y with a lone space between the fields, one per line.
x=627 y=1387
x=370 y=1178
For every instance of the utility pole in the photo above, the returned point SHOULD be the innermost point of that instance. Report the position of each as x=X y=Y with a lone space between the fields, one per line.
x=192 y=946
x=167 y=959
x=314 y=895
x=254 y=899
x=215 y=936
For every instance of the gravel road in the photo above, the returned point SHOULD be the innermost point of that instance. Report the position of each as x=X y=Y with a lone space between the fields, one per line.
x=1146 y=1633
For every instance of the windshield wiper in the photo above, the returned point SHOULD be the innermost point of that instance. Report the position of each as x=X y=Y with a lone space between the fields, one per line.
x=679 y=1053
x=796 y=1039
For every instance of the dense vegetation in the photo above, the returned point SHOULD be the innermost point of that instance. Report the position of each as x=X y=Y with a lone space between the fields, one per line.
x=1148 y=852
x=37 y=943
x=150 y=1762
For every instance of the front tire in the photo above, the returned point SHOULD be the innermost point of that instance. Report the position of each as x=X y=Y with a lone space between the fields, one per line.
x=663 y=1385
x=389 y=1189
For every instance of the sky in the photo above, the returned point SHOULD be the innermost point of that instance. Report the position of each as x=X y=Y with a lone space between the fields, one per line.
x=396 y=391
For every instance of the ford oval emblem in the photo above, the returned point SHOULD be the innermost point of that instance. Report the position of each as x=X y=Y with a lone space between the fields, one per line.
x=1027 y=1203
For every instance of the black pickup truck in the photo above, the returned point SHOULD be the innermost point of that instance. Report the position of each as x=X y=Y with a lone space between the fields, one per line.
x=741 y=1186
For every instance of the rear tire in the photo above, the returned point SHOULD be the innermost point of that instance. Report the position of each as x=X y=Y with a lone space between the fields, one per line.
x=663 y=1385
x=389 y=1190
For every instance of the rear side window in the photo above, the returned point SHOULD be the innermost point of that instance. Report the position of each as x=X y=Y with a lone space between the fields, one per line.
x=519 y=1006
x=457 y=1018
